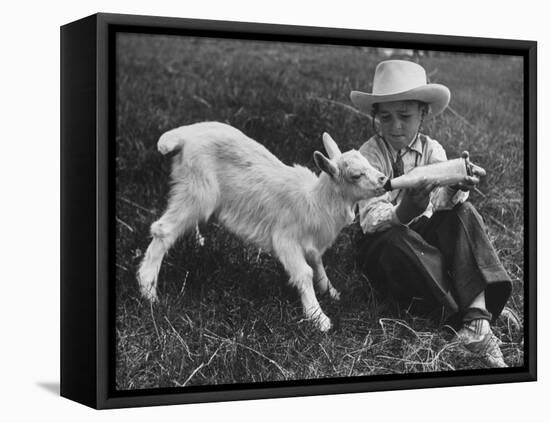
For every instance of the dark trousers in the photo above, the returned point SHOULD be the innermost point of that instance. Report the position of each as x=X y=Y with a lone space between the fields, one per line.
x=444 y=261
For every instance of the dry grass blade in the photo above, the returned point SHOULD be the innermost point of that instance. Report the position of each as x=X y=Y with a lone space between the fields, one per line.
x=120 y=266
x=136 y=205
x=154 y=321
x=463 y=119
x=202 y=101
x=201 y=366
x=183 y=343
x=382 y=321
x=500 y=224
x=511 y=316
x=328 y=358
x=183 y=284
x=123 y=223
x=428 y=364
x=284 y=372
x=477 y=190
x=345 y=106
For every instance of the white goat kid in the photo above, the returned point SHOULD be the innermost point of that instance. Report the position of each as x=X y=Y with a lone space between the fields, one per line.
x=286 y=210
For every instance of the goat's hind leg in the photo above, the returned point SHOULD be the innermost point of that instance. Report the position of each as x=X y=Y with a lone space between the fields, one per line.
x=165 y=231
x=301 y=276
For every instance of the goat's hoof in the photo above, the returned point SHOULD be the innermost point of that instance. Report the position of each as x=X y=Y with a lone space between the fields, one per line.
x=323 y=323
x=149 y=293
x=334 y=294
x=199 y=239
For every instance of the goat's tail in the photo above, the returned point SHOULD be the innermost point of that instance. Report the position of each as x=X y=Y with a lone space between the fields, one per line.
x=171 y=142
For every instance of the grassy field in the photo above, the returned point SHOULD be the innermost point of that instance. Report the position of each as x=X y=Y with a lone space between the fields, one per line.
x=226 y=314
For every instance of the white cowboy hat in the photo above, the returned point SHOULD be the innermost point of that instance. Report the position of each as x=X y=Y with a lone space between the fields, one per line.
x=399 y=80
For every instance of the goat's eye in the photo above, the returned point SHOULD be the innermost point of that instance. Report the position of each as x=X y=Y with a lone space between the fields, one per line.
x=356 y=176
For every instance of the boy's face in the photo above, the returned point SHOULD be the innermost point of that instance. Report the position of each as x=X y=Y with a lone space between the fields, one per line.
x=399 y=121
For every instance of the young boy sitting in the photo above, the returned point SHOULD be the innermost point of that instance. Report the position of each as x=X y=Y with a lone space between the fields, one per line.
x=427 y=245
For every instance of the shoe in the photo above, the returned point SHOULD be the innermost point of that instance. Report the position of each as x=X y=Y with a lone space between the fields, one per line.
x=478 y=338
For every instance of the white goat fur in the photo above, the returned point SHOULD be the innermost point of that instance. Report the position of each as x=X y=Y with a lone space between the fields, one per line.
x=286 y=210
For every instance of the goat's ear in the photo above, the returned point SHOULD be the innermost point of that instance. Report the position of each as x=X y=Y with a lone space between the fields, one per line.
x=325 y=164
x=330 y=146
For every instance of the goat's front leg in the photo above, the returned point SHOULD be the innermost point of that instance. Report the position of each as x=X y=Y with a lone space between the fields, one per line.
x=320 y=276
x=301 y=276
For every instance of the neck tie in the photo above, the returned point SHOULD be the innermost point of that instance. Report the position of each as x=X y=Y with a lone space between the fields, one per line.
x=397 y=166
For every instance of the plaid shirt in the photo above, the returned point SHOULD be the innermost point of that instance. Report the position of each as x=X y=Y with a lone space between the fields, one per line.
x=378 y=213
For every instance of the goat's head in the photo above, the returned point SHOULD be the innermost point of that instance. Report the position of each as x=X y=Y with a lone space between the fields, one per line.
x=358 y=179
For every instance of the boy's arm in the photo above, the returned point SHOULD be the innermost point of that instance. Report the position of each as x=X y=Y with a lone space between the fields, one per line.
x=378 y=213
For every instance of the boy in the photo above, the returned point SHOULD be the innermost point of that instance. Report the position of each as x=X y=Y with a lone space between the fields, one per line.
x=427 y=245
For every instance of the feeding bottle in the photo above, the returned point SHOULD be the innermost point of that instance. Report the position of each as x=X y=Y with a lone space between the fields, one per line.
x=449 y=172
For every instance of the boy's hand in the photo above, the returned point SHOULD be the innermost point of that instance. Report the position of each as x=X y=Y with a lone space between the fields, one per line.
x=475 y=173
x=415 y=201
x=467 y=184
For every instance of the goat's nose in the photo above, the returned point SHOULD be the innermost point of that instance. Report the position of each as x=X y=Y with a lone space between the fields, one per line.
x=382 y=179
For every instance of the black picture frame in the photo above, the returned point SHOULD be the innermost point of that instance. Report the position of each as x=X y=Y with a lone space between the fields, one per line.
x=87 y=93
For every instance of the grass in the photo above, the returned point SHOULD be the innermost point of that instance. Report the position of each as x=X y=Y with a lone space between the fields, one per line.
x=226 y=314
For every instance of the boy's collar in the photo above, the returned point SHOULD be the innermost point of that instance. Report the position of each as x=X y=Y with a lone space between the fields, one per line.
x=415 y=145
